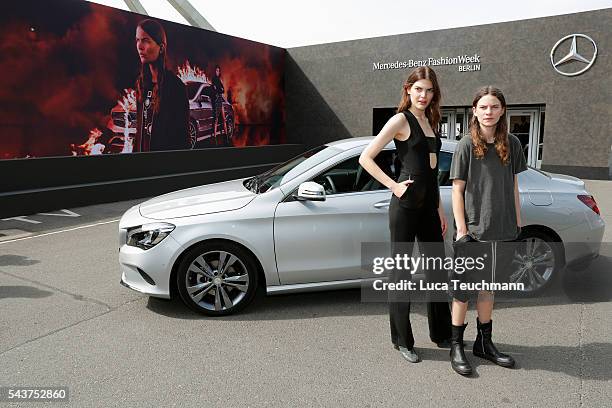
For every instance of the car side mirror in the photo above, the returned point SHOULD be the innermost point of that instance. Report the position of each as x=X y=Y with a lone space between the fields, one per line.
x=204 y=98
x=310 y=191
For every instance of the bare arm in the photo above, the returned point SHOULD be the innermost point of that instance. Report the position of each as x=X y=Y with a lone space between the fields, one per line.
x=517 y=202
x=443 y=222
x=393 y=127
x=459 y=207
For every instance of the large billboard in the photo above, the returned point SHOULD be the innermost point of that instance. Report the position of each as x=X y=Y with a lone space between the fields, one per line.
x=78 y=78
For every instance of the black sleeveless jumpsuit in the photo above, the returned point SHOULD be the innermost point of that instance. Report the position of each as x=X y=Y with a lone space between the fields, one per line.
x=415 y=215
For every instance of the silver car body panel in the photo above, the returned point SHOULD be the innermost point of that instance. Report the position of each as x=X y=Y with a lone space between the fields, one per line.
x=321 y=241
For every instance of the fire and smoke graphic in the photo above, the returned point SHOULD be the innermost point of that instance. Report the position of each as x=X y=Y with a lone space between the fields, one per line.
x=188 y=73
x=124 y=114
x=128 y=104
x=256 y=90
x=52 y=81
x=92 y=146
x=61 y=73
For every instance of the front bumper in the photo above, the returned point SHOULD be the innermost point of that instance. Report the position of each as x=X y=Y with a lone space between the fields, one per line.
x=149 y=271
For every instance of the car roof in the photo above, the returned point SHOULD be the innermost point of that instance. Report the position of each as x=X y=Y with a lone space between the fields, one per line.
x=353 y=142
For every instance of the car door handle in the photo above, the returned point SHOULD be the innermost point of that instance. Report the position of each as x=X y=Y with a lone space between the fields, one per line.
x=382 y=204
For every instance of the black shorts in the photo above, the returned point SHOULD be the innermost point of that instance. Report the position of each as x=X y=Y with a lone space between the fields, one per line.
x=478 y=265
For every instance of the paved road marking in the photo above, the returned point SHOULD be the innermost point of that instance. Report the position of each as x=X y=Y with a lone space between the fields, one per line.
x=13 y=234
x=59 y=232
x=67 y=213
x=23 y=218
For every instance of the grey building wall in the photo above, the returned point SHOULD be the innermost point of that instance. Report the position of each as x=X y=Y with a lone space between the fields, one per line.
x=331 y=89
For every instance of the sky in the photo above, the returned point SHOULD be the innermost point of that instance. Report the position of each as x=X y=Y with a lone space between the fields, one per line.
x=290 y=23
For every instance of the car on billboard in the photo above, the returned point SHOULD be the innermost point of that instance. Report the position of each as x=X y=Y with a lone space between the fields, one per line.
x=201 y=96
x=201 y=113
x=299 y=227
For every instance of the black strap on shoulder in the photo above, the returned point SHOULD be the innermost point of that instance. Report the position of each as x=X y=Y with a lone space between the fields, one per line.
x=409 y=117
x=415 y=127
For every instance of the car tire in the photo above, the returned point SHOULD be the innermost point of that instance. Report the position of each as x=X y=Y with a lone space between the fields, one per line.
x=537 y=263
x=229 y=123
x=208 y=288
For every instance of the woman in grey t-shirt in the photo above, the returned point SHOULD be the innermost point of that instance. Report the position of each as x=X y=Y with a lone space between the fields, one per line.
x=486 y=207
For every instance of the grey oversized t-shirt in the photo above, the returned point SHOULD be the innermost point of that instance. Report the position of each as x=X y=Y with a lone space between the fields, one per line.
x=490 y=213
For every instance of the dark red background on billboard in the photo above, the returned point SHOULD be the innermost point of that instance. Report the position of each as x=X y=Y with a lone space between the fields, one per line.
x=65 y=63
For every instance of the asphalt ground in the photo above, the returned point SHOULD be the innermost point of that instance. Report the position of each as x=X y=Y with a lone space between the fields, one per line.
x=66 y=321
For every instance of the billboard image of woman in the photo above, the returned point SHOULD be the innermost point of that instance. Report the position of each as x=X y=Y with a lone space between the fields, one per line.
x=80 y=78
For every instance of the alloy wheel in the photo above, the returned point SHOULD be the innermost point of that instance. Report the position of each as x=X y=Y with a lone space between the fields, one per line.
x=229 y=123
x=217 y=280
x=193 y=135
x=534 y=264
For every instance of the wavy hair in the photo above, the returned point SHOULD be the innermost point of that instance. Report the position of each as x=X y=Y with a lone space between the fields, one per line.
x=433 y=109
x=501 y=129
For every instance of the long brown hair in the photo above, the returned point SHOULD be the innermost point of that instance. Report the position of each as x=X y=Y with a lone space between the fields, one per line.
x=433 y=109
x=501 y=129
x=158 y=34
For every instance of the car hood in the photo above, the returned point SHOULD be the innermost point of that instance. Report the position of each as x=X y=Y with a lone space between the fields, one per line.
x=211 y=198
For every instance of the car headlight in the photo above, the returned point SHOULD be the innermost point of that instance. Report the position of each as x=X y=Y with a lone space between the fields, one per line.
x=148 y=235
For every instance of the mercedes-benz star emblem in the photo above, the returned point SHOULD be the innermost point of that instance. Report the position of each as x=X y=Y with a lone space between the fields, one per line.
x=572 y=55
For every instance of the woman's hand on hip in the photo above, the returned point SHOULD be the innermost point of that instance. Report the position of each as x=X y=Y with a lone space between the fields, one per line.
x=400 y=188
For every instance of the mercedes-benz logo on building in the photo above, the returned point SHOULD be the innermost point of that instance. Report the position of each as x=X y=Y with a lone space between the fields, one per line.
x=565 y=52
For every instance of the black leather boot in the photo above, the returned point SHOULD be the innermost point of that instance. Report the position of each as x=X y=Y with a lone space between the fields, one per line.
x=446 y=343
x=484 y=347
x=459 y=361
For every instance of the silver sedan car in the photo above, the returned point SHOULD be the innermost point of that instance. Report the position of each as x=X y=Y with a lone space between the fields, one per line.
x=299 y=227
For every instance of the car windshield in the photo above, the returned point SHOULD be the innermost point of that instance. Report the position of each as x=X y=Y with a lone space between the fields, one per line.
x=290 y=169
x=192 y=89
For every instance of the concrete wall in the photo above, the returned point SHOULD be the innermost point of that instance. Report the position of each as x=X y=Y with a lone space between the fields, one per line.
x=33 y=185
x=331 y=89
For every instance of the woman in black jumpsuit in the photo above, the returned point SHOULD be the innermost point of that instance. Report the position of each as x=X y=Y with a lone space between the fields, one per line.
x=415 y=210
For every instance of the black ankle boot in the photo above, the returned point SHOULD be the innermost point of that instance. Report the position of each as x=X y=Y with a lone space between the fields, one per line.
x=484 y=347
x=459 y=361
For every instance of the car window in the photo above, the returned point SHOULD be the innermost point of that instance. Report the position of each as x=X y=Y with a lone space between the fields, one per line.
x=192 y=89
x=444 y=169
x=292 y=168
x=208 y=91
x=348 y=176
